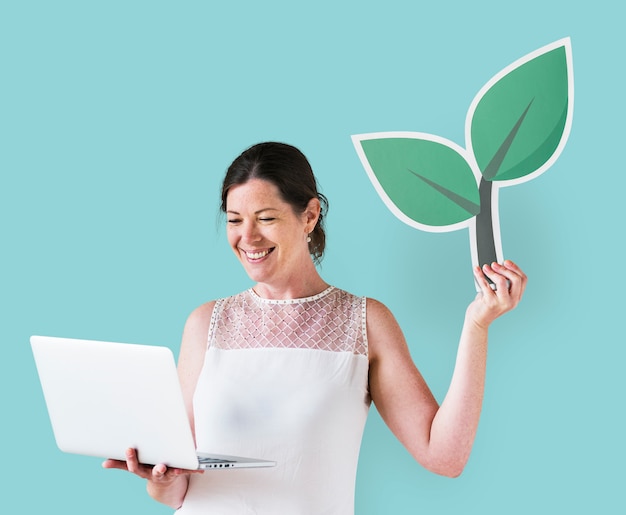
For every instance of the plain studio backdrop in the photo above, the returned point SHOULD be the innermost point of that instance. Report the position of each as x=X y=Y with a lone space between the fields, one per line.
x=117 y=122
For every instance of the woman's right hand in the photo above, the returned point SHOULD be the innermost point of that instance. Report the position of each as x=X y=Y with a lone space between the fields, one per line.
x=161 y=479
x=158 y=473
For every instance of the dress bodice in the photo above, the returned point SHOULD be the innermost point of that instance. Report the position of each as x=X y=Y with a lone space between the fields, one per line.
x=285 y=381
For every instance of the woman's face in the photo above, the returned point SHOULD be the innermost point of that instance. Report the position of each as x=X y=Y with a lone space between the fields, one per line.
x=265 y=233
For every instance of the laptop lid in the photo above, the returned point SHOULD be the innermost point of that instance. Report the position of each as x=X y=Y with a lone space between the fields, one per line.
x=106 y=397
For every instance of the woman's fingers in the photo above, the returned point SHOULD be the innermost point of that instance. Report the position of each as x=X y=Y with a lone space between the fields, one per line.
x=509 y=281
x=497 y=273
x=114 y=464
x=157 y=473
x=515 y=276
x=132 y=463
x=520 y=277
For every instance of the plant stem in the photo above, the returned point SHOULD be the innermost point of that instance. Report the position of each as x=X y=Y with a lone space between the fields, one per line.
x=485 y=236
x=485 y=242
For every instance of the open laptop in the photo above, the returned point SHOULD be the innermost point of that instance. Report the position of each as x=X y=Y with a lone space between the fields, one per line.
x=106 y=397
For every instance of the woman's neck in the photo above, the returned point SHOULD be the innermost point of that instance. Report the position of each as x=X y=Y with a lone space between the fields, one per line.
x=305 y=285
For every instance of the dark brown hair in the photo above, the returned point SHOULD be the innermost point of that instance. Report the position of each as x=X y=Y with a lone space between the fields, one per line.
x=289 y=170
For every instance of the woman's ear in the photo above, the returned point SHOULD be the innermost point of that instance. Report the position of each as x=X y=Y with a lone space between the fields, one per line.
x=312 y=213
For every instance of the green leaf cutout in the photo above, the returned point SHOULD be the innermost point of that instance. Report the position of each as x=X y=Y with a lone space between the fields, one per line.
x=427 y=183
x=521 y=117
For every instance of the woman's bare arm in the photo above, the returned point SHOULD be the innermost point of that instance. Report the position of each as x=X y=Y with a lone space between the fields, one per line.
x=439 y=437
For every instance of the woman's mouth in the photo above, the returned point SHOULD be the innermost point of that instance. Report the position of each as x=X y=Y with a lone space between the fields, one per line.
x=258 y=254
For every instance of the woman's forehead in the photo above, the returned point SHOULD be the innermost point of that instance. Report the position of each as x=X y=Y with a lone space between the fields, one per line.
x=254 y=195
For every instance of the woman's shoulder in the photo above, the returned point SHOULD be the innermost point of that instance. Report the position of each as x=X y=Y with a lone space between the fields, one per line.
x=377 y=311
x=200 y=317
x=383 y=331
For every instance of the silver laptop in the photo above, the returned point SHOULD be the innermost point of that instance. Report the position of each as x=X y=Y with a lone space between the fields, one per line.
x=106 y=397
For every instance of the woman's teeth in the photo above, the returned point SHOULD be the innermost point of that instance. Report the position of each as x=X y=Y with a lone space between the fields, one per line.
x=257 y=255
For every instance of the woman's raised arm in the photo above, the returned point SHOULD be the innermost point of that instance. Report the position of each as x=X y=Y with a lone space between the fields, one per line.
x=439 y=437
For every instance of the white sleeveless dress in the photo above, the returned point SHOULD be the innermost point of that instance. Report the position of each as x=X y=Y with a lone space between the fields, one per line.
x=284 y=380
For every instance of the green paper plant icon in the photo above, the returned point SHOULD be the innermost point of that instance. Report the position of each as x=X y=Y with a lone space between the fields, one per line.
x=515 y=129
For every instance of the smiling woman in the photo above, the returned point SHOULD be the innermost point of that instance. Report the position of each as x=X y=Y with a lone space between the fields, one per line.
x=289 y=171
x=287 y=369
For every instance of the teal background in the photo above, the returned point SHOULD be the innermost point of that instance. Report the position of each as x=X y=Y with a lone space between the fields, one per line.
x=117 y=121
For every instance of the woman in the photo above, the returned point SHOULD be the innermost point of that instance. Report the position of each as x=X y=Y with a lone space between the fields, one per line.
x=289 y=367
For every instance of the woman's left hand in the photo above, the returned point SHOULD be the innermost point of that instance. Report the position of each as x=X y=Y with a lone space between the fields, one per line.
x=489 y=304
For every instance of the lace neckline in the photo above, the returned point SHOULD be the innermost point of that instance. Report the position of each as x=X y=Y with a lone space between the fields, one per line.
x=301 y=300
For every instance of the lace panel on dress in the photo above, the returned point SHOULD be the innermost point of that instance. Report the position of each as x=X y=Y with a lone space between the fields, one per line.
x=333 y=320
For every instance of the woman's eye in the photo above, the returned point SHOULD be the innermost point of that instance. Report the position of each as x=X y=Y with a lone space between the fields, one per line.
x=233 y=221
x=267 y=219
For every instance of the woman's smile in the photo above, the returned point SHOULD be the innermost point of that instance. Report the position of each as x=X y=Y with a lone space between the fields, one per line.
x=254 y=256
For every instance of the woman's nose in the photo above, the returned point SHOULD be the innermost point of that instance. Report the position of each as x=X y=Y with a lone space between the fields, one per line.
x=250 y=232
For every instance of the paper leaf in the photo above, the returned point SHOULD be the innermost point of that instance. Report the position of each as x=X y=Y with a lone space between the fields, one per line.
x=424 y=180
x=519 y=122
